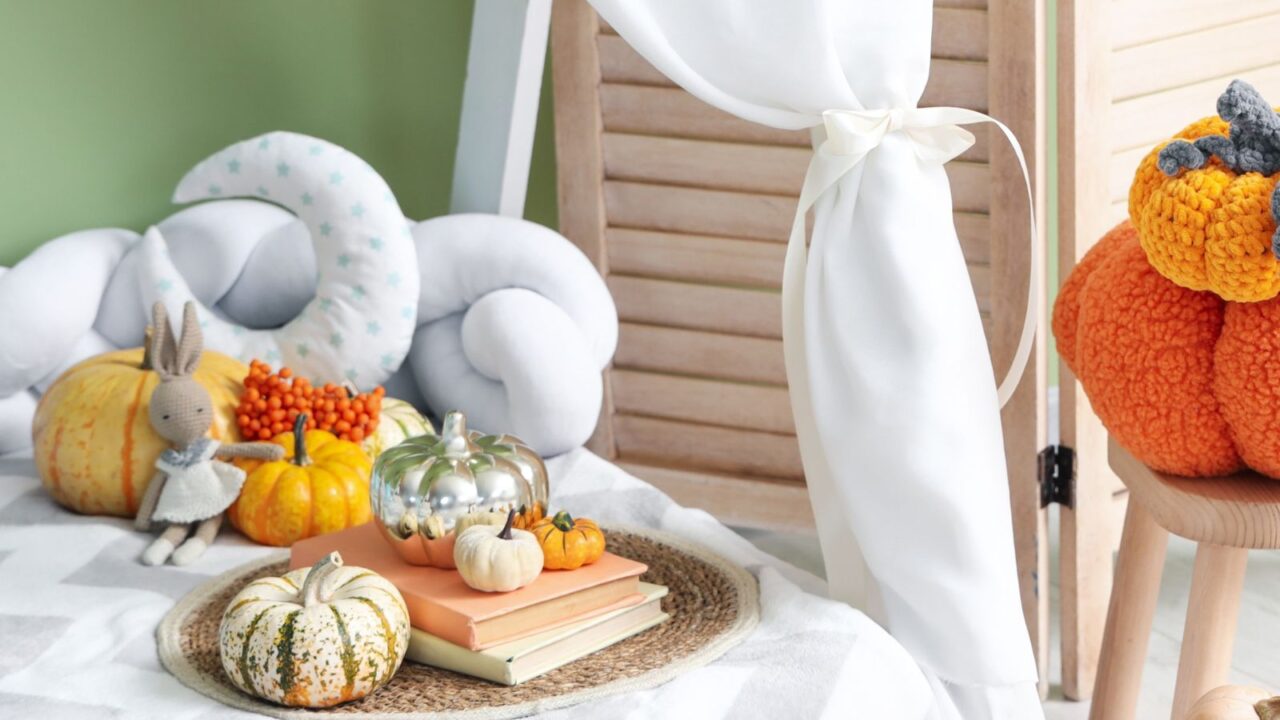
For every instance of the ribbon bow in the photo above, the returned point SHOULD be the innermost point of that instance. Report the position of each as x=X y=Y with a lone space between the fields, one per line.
x=843 y=141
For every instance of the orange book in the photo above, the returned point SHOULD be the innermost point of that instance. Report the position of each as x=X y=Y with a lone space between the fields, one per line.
x=441 y=604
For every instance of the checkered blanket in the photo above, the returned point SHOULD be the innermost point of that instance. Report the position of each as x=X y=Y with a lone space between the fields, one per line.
x=78 y=615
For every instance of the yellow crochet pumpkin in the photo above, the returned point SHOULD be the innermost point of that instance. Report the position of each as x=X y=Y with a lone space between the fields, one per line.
x=1208 y=228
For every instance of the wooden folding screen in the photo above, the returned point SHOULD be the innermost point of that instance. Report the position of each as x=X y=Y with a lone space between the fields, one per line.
x=1131 y=72
x=686 y=210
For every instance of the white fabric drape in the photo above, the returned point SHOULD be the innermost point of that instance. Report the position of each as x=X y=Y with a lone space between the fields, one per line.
x=891 y=382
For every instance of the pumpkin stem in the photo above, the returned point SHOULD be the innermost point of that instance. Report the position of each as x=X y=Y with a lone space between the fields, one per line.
x=453 y=433
x=147 y=363
x=563 y=521
x=506 y=529
x=315 y=588
x=300 y=441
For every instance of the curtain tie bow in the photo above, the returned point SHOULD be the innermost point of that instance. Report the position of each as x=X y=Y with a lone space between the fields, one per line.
x=841 y=143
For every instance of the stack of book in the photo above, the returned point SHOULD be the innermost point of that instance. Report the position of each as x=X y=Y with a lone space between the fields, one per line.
x=510 y=637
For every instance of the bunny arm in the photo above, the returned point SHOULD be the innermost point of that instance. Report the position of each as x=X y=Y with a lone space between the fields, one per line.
x=142 y=521
x=252 y=450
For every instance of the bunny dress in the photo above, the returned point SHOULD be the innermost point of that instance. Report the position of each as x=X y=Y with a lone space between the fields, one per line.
x=198 y=487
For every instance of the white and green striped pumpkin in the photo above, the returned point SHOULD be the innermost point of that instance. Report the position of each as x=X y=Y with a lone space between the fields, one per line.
x=398 y=421
x=315 y=637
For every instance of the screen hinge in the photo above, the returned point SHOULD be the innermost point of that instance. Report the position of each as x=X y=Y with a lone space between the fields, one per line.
x=1057 y=475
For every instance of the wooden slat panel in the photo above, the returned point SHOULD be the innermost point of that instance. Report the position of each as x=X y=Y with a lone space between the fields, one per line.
x=1186 y=59
x=620 y=63
x=1145 y=120
x=698 y=258
x=976 y=4
x=701 y=163
x=738 y=501
x=705 y=401
x=693 y=352
x=717 y=308
x=757 y=313
x=671 y=112
x=1123 y=165
x=1135 y=22
x=750 y=168
x=960 y=83
x=699 y=212
x=960 y=33
x=703 y=447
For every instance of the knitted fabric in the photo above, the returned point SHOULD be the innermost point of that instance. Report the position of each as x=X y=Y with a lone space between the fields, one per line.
x=1208 y=228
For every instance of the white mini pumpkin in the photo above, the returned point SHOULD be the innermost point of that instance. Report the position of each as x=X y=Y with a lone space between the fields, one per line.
x=398 y=421
x=497 y=559
x=315 y=637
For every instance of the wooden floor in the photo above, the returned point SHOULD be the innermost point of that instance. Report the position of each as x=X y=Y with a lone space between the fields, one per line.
x=1257 y=656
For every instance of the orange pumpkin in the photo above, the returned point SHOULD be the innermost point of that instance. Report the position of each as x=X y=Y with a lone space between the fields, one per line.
x=320 y=486
x=568 y=543
x=1184 y=380
x=94 y=446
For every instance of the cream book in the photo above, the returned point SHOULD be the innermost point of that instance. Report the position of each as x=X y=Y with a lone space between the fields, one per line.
x=515 y=662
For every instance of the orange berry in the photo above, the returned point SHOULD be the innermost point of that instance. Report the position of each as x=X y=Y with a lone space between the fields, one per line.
x=285 y=372
x=264 y=434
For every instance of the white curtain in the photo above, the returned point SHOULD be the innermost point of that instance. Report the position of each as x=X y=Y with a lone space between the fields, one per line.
x=891 y=383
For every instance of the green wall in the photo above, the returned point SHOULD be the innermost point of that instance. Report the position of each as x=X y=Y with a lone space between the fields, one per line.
x=104 y=104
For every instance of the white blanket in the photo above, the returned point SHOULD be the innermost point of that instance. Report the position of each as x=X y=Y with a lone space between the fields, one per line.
x=78 y=614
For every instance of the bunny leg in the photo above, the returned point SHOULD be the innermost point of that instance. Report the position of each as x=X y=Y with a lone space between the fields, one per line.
x=162 y=547
x=194 y=547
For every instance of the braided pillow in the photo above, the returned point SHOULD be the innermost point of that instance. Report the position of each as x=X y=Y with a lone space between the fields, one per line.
x=501 y=318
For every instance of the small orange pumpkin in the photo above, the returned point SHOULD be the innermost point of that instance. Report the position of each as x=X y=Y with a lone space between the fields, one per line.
x=568 y=544
x=321 y=486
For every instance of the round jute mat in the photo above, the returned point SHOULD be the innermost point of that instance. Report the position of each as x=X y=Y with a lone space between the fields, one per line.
x=713 y=605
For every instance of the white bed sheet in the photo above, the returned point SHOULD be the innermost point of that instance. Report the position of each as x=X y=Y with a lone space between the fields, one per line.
x=78 y=616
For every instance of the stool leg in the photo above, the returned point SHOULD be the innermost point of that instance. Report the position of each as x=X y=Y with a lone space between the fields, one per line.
x=1133 y=607
x=1210 y=634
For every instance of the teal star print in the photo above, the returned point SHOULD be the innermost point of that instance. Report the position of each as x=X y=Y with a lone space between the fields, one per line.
x=326 y=303
x=351 y=374
x=303 y=349
x=375 y=243
x=264 y=144
x=357 y=210
x=387 y=360
x=273 y=355
x=335 y=339
x=393 y=279
x=233 y=167
x=237 y=330
x=358 y=292
x=263 y=191
x=165 y=285
x=373 y=328
x=215 y=189
x=344 y=260
x=325 y=229
x=307 y=199
x=282 y=170
x=316 y=149
x=406 y=312
x=335 y=178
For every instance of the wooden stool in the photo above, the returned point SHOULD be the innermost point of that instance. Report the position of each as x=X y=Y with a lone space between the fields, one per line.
x=1227 y=517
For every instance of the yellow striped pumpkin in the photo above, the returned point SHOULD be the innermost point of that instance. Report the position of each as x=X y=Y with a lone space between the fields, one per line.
x=94 y=446
x=315 y=637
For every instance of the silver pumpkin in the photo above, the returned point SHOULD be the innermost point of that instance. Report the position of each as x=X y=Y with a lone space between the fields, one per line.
x=421 y=487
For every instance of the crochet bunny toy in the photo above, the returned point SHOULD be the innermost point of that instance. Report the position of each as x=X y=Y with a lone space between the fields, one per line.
x=191 y=489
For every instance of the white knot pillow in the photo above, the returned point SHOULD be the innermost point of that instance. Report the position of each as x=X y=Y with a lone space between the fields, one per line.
x=516 y=327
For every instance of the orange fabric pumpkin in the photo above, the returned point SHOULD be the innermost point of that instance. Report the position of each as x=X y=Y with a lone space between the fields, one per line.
x=568 y=543
x=94 y=446
x=1188 y=383
x=321 y=486
x=1209 y=228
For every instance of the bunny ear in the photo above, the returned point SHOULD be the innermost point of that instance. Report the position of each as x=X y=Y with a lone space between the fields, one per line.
x=160 y=347
x=192 y=343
